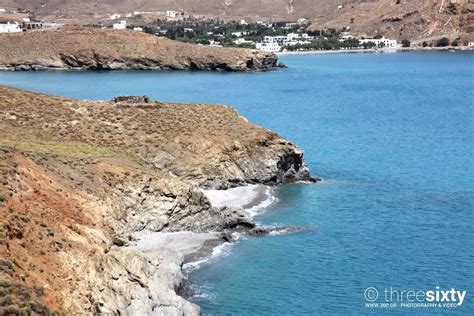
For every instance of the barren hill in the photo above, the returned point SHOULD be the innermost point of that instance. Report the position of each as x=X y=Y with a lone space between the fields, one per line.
x=413 y=19
x=74 y=48
x=280 y=9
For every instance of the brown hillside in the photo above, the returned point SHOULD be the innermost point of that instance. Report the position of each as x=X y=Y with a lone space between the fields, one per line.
x=79 y=178
x=413 y=19
x=74 y=48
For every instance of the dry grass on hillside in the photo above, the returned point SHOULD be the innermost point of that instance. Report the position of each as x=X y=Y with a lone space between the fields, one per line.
x=193 y=132
x=113 y=45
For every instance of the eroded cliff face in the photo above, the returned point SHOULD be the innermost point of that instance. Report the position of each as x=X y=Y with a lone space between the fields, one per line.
x=99 y=198
x=93 y=49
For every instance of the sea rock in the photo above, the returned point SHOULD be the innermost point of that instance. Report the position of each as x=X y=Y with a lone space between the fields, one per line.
x=270 y=161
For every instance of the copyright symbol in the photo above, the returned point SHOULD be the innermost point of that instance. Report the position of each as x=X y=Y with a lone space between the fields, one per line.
x=371 y=294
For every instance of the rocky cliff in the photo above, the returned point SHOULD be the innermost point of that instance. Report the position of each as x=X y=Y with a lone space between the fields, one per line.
x=94 y=49
x=101 y=201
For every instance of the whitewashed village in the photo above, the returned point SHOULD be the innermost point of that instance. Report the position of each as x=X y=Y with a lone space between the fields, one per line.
x=266 y=36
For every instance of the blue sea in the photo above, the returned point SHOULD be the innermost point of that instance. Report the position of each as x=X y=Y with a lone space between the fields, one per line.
x=390 y=134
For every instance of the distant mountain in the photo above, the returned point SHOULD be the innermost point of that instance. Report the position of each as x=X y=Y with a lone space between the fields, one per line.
x=413 y=19
x=277 y=9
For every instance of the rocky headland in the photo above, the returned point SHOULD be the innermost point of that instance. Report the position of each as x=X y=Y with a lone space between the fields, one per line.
x=102 y=201
x=75 y=48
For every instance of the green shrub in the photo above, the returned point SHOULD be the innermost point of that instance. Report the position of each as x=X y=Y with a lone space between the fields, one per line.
x=443 y=42
x=11 y=310
x=6 y=300
x=406 y=43
x=39 y=289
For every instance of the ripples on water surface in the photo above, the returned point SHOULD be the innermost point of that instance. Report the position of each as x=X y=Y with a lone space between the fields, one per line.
x=391 y=135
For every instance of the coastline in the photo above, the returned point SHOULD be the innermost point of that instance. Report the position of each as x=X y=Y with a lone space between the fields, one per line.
x=143 y=214
x=371 y=50
x=105 y=49
x=181 y=252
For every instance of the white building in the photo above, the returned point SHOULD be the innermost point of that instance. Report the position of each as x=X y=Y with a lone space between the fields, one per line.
x=3 y=10
x=292 y=37
x=293 y=43
x=276 y=43
x=138 y=29
x=122 y=25
x=302 y=21
x=173 y=14
x=10 y=27
x=214 y=43
x=243 y=22
x=241 y=41
x=268 y=47
x=378 y=41
x=470 y=44
x=345 y=36
x=281 y=40
x=115 y=16
x=35 y=25
x=239 y=34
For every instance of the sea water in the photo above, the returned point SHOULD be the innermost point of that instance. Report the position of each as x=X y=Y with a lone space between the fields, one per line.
x=391 y=135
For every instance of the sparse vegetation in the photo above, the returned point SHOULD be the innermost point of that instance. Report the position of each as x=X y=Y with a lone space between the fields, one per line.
x=406 y=43
x=16 y=299
x=60 y=148
x=443 y=42
x=134 y=50
x=51 y=158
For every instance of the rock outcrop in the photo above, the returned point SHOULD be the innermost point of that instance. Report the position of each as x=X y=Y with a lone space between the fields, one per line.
x=96 y=49
x=103 y=203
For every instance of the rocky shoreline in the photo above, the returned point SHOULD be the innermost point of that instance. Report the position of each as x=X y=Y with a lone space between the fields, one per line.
x=97 y=49
x=117 y=189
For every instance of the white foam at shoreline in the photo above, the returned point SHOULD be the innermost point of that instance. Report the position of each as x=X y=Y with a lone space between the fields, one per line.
x=269 y=200
x=252 y=198
x=221 y=250
x=237 y=197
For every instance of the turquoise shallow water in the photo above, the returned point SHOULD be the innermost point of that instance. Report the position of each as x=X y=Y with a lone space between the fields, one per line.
x=390 y=134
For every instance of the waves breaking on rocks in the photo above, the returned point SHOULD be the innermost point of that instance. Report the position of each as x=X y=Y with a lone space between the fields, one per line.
x=253 y=198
